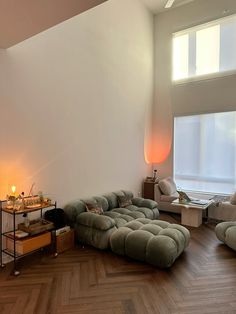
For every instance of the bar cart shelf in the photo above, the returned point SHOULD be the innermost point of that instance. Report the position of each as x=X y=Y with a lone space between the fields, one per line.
x=20 y=247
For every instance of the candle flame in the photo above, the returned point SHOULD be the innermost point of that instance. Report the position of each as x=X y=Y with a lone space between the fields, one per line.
x=13 y=189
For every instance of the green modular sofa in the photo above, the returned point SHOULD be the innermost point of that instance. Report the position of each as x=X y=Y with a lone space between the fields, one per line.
x=94 y=229
x=132 y=231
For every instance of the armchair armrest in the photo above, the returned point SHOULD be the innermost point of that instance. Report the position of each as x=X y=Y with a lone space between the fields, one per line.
x=144 y=202
x=157 y=193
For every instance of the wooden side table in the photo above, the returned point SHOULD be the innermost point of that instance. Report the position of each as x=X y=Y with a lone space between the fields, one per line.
x=148 y=189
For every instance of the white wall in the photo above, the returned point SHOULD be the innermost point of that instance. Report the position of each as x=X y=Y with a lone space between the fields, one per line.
x=204 y=96
x=75 y=104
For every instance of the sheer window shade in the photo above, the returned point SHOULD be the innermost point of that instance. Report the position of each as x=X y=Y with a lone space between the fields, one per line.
x=205 y=152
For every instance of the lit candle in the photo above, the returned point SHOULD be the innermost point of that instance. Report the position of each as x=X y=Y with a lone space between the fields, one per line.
x=13 y=189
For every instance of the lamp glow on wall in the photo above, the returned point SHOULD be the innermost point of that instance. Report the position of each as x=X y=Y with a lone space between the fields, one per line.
x=158 y=149
x=159 y=140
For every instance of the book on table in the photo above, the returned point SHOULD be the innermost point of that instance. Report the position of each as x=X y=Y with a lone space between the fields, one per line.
x=199 y=202
x=191 y=200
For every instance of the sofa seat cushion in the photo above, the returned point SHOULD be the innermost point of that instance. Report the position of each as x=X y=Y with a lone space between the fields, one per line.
x=156 y=242
x=122 y=215
x=136 y=212
x=120 y=219
x=169 y=198
x=100 y=222
x=125 y=211
x=147 y=212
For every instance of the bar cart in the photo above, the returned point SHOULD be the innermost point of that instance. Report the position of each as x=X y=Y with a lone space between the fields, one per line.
x=19 y=248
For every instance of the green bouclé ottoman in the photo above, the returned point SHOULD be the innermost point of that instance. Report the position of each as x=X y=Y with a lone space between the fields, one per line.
x=226 y=232
x=156 y=242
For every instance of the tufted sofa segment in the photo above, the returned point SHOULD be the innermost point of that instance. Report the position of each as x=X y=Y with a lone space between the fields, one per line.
x=96 y=229
x=157 y=242
x=226 y=232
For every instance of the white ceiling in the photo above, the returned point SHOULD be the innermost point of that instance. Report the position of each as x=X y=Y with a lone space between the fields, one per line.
x=157 y=6
x=21 y=19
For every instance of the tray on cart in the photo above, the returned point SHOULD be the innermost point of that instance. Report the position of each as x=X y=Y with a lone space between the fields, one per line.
x=36 y=226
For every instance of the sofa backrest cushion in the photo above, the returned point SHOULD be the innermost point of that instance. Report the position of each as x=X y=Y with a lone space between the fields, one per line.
x=97 y=201
x=106 y=202
x=167 y=186
x=102 y=202
x=113 y=200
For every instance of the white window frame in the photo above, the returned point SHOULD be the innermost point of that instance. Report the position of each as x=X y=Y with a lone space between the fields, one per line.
x=194 y=29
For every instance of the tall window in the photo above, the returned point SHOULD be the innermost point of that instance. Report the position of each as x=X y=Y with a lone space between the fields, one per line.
x=205 y=152
x=205 y=49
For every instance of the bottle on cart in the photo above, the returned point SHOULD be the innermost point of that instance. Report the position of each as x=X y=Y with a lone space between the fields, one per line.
x=26 y=220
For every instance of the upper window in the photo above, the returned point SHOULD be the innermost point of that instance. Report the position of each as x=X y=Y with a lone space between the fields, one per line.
x=205 y=49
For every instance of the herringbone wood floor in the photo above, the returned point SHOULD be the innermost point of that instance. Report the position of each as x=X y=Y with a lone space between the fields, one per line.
x=202 y=280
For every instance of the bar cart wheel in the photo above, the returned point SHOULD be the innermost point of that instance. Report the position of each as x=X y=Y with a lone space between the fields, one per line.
x=16 y=273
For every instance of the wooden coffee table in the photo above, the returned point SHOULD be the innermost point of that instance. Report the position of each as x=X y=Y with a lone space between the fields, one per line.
x=191 y=214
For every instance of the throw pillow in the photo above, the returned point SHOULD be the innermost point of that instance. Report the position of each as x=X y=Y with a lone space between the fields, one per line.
x=94 y=208
x=124 y=200
x=167 y=186
x=233 y=199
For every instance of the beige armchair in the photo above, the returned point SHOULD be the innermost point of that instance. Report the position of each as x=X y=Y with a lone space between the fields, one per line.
x=225 y=211
x=165 y=193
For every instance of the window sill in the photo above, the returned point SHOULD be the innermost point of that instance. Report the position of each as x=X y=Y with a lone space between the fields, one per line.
x=204 y=195
x=206 y=77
